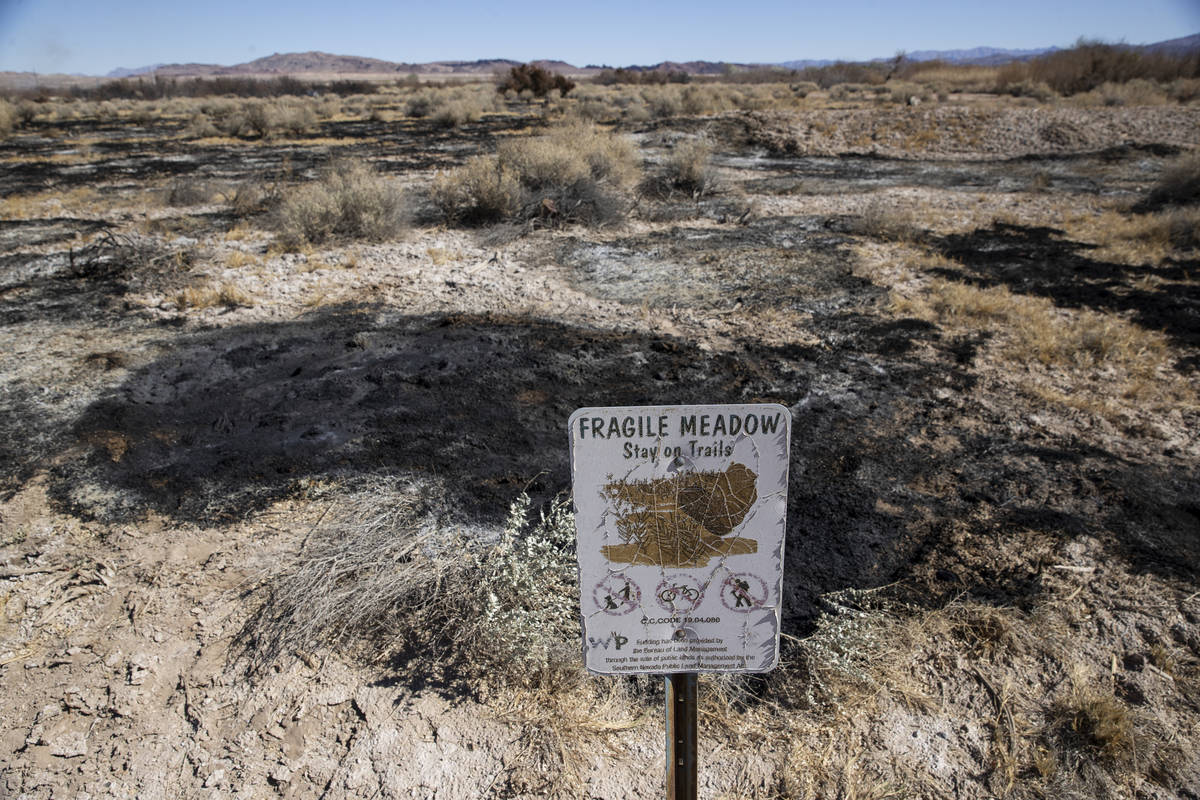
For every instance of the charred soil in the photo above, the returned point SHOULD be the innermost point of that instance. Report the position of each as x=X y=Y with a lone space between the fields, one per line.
x=993 y=540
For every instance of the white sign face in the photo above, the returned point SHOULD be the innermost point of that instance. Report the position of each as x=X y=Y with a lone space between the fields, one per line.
x=680 y=514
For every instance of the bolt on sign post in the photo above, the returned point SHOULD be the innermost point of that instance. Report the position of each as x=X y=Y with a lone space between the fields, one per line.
x=680 y=514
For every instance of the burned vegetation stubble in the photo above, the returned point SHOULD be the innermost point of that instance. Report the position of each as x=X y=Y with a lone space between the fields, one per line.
x=913 y=461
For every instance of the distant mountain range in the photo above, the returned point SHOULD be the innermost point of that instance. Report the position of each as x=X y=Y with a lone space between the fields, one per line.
x=315 y=62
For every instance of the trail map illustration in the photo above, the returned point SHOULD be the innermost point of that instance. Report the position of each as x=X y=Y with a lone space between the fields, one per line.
x=679 y=513
x=679 y=521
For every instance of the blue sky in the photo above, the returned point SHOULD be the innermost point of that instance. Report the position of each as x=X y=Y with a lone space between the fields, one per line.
x=93 y=37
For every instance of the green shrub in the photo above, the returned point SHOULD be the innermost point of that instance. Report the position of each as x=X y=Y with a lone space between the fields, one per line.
x=348 y=201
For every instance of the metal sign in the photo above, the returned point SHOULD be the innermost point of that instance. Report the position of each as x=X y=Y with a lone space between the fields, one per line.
x=680 y=514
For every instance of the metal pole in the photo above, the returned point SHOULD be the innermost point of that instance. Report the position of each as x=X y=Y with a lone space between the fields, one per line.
x=681 y=736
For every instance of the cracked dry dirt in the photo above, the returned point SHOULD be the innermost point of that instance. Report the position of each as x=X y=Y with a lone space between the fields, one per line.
x=1036 y=531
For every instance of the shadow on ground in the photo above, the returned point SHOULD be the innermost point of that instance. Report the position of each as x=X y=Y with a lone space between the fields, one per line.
x=890 y=480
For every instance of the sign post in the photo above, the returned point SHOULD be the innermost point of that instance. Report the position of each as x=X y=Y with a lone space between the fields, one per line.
x=681 y=736
x=680 y=517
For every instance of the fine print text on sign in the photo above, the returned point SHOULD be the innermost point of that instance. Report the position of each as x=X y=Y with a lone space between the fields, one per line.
x=680 y=517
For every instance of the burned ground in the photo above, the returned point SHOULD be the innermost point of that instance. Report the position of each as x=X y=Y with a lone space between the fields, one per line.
x=1016 y=534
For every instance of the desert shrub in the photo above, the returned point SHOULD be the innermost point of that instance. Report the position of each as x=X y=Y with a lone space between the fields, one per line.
x=233 y=122
x=249 y=198
x=267 y=119
x=1178 y=185
x=687 y=168
x=1183 y=228
x=844 y=72
x=27 y=112
x=457 y=112
x=1184 y=90
x=1137 y=92
x=636 y=112
x=8 y=117
x=574 y=173
x=594 y=110
x=610 y=77
x=189 y=192
x=535 y=79
x=157 y=88
x=887 y=221
x=385 y=575
x=663 y=102
x=480 y=191
x=294 y=116
x=705 y=99
x=199 y=126
x=349 y=200
x=1089 y=65
x=261 y=118
x=1038 y=90
x=419 y=106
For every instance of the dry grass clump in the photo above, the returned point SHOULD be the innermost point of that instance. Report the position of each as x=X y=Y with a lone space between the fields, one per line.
x=1096 y=723
x=889 y=221
x=457 y=112
x=1035 y=330
x=190 y=192
x=449 y=107
x=8 y=117
x=565 y=725
x=688 y=168
x=251 y=197
x=255 y=118
x=481 y=191
x=575 y=173
x=1137 y=92
x=1179 y=184
x=226 y=295
x=1092 y=744
x=382 y=573
x=200 y=126
x=349 y=200
x=1149 y=237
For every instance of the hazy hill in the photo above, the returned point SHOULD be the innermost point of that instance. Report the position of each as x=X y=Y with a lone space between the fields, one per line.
x=318 y=62
x=978 y=55
x=1185 y=44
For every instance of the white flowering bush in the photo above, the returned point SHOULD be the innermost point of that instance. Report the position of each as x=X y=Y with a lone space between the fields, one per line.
x=531 y=608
